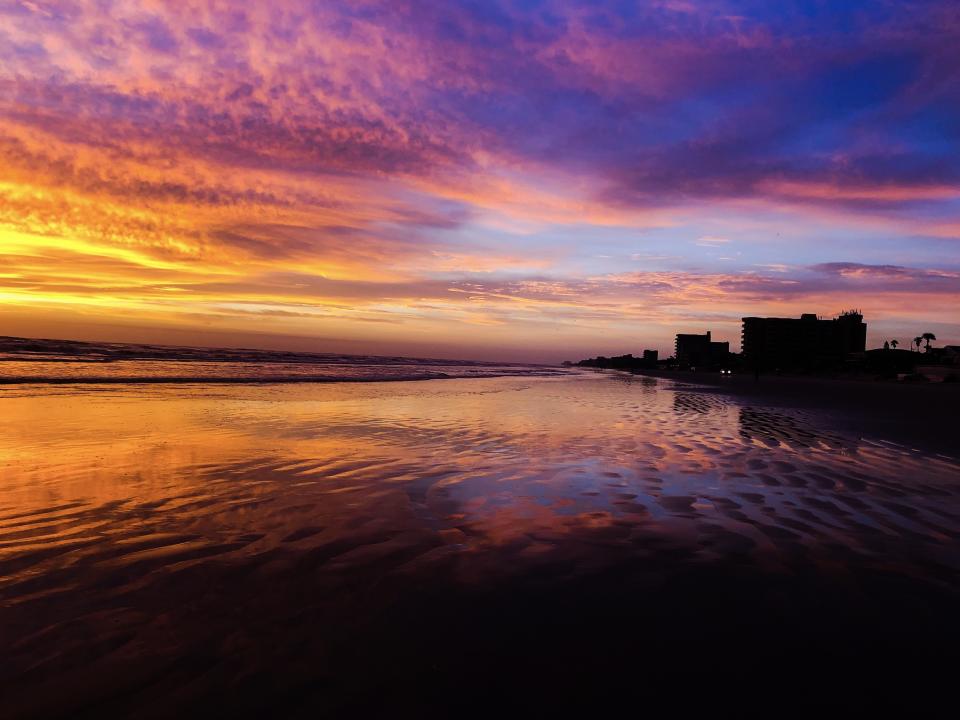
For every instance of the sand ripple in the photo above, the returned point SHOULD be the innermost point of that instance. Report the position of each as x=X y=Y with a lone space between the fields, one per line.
x=129 y=520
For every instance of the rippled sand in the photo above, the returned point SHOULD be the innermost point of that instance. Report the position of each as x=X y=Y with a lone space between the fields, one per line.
x=397 y=547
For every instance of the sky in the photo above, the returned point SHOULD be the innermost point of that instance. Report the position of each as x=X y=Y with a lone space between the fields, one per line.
x=494 y=179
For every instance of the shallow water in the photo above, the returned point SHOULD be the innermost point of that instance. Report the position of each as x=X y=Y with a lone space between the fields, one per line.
x=342 y=369
x=303 y=548
x=53 y=362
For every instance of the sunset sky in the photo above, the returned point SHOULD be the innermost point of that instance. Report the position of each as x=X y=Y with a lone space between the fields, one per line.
x=496 y=179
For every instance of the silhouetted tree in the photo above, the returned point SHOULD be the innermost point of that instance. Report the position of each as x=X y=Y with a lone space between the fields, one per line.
x=886 y=345
x=894 y=343
x=916 y=341
x=928 y=337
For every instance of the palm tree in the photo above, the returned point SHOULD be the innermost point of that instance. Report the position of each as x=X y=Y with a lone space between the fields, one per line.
x=894 y=343
x=928 y=337
x=916 y=341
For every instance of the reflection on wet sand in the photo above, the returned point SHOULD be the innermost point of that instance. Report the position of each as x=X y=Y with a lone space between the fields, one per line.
x=330 y=547
x=795 y=430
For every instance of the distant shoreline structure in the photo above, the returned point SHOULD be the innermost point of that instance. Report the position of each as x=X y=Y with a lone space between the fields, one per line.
x=809 y=345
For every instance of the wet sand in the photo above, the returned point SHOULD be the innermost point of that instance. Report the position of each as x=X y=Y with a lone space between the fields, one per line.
x=467 y=546
x=922 y=415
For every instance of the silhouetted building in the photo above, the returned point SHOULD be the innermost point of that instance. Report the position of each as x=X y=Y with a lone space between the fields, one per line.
x=805 y=343
x=690 y=348
x=700 y=350
x=623 y=362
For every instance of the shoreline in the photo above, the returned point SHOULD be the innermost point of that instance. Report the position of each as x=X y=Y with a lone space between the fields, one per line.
x=214 y=380
x=277 y=380
x=921 y=415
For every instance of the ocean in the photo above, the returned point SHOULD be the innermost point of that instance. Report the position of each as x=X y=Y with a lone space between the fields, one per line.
x=62 y=362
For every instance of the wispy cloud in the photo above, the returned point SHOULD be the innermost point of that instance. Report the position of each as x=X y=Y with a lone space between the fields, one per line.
x=711 y=241
x=435 y=166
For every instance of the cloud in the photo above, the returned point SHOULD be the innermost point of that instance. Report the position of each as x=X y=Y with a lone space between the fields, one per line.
x=475 y=163
x=711 y=241
x=893 y=277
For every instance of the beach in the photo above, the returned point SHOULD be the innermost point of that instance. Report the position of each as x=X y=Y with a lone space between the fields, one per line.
x=922 y=415
x=465 y=546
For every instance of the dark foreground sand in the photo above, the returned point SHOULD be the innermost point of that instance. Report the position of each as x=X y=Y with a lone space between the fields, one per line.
x=602 y=545
x=923 y=415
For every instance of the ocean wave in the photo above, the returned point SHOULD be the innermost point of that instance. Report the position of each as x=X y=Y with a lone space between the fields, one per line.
x=56 y=362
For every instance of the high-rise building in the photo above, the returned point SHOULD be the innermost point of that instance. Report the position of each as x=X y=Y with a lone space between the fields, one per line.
x=805 y=343
x=694 y=350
